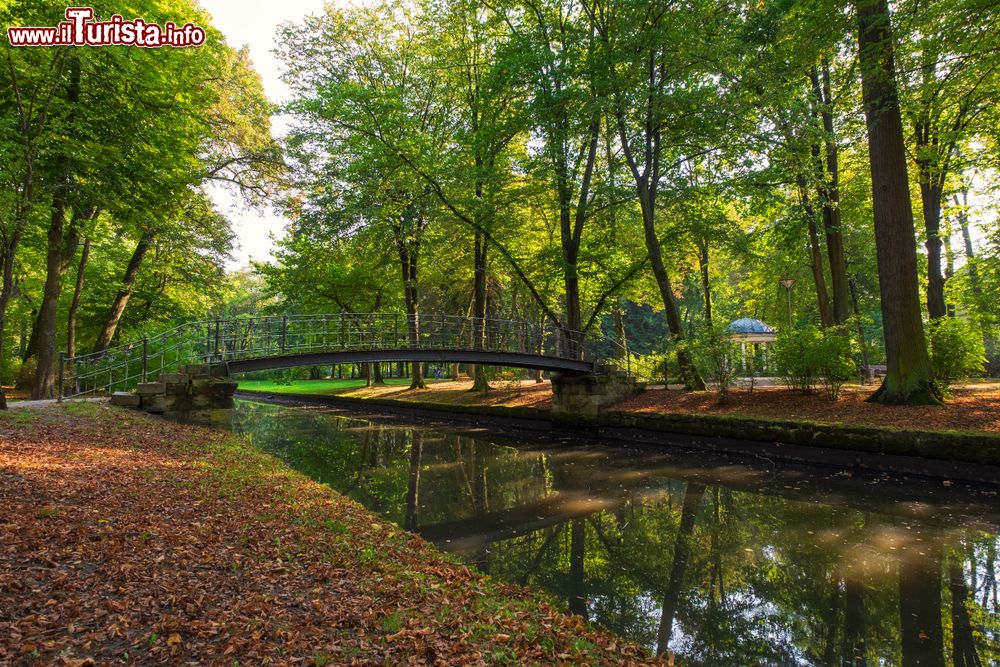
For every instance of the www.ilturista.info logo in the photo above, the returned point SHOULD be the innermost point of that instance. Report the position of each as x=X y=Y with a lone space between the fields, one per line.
x=79 y=29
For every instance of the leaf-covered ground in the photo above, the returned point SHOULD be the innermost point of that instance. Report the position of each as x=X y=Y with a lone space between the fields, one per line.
x=971 y=408
x=128 y=538
x=974 y=407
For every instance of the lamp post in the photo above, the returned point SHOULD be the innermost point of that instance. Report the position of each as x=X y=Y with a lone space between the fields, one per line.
x=787 y=284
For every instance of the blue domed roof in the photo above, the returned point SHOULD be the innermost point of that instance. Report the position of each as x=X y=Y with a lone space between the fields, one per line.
x=748 y=325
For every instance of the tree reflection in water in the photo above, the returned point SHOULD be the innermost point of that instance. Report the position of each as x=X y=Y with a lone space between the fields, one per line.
x=719 y=561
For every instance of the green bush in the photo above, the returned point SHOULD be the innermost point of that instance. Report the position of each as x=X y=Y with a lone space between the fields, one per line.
x=809 y=355
x=957 y=350
x=717 y=356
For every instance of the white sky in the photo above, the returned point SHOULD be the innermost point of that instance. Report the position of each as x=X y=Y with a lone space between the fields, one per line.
x=253 y=23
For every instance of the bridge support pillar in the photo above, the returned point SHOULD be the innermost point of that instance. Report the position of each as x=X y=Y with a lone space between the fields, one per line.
x=198 y=394
x=585 y=395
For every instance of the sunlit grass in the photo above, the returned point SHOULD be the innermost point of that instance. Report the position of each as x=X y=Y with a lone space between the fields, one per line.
x=316 y=387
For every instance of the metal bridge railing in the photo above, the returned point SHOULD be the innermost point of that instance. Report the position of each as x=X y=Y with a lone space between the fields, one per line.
x=122 y=367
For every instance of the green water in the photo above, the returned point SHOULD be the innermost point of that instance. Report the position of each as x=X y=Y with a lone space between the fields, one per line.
x=720 y=560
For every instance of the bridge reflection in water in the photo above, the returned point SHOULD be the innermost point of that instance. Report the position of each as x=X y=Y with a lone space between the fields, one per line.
x=722 y=561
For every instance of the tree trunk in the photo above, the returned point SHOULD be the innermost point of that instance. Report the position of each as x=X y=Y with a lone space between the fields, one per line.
x=479 y=380
x=861 y=330
x=909 y=378
x=620 y=336
x=408 y=247
x=963 y=647
x=577 y=599
x=816 y=258
x=689 y=374
x=829 y=193
x=706 y=286
x=970 y=253
x=124 y=293
x=413 y=481
x=920 y=607
x=854 y=651
x=6 y=293
x=930 y=197
x=682 y=553
x=75 y=303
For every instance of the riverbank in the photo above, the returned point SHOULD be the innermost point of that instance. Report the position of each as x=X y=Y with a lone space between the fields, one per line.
x=811 y=428
x=128 y=537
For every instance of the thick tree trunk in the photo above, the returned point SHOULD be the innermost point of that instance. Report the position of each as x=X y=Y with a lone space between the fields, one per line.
x=909 y=378
x=682 y=554
x=62 y=241
x=75 y=303
x=55 y=260
x=124 y=293
x=920 y=607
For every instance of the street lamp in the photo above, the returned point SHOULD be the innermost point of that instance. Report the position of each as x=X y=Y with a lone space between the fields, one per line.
x=787 y=284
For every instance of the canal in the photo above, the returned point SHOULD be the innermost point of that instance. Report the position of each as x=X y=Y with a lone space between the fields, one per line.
x=719 y=560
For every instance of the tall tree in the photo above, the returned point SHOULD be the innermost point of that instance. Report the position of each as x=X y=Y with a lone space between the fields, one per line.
x=909 y=376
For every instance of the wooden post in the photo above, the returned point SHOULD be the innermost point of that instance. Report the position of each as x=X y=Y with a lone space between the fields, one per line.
x=145 y=357
x=284 y=333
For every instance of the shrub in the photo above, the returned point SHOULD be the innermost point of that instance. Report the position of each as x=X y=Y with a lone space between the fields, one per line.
x=957 y=350
x=835 y=360
x=808 y=355
x=718 y=357
x=793 y=354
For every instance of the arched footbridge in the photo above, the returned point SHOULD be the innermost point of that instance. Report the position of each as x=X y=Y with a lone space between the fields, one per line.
x=236 y=345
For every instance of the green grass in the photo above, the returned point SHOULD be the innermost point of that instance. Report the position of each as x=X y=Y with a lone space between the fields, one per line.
x=315 y=387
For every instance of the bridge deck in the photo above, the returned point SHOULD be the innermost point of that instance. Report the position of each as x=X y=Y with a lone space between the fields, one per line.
x=513 y=359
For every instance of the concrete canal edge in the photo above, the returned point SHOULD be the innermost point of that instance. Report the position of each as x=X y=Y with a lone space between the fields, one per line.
x=973 y=457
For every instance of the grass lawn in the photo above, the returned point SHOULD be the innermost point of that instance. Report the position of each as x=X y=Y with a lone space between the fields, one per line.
x=125 y=538
x=315 y=387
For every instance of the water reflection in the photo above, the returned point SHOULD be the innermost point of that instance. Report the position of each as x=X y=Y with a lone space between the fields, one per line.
x=718 y=561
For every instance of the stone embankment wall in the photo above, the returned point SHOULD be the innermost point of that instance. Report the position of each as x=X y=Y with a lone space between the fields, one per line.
x=585 y=395
x=194 y=395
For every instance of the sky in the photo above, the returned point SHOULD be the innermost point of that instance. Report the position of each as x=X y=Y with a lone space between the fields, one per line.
x=253 y=23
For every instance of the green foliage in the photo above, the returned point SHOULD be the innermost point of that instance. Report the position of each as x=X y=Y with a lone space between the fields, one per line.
x=809 y=354
x=718 y=357
x=957 y=350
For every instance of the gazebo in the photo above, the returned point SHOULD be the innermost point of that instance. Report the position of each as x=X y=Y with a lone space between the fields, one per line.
x=748 y=330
